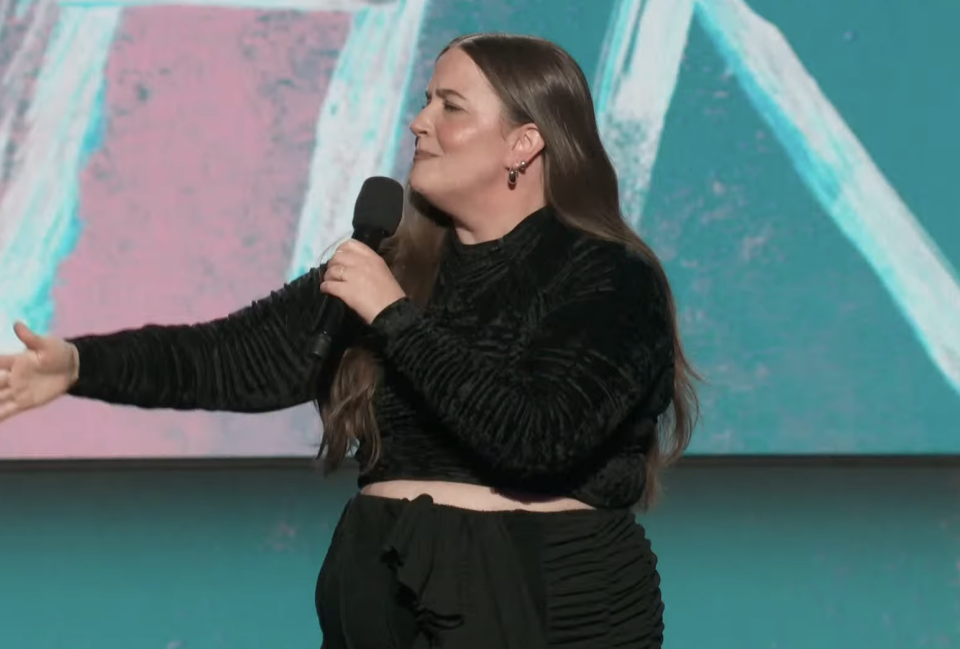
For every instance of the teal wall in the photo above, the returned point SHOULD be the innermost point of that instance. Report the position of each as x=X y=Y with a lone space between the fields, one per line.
x=752 y=557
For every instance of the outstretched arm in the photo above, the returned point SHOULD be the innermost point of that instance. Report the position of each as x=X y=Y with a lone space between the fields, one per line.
x=254 y=360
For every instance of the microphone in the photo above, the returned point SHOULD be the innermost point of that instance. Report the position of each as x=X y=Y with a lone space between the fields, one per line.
x=376 y=216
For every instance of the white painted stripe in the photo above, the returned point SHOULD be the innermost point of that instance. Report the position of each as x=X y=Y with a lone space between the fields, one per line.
x=359 y=124
x=37 y=212
x=296 y=5
x=635 y=84
x=842 y=176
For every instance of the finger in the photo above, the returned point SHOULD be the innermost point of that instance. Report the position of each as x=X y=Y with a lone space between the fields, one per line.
x=7 y=409
x=4 y=379
x=360 y=248
x=349 y=264
x=6 y=394
x=335 y=273
x=27 y=337
x=346 y=248
x=6 y=363
x=333 y=288
x=348 y=254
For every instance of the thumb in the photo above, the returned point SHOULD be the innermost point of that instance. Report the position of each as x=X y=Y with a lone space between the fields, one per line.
x=27 y=337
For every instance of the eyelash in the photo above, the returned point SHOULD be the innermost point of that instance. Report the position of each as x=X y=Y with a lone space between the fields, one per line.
x=447 y=107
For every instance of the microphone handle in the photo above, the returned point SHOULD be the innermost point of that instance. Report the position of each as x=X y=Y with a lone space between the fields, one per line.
x=329 y=320
x=333 y=311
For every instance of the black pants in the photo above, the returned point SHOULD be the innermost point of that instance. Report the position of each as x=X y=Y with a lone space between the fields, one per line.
x=404 y=574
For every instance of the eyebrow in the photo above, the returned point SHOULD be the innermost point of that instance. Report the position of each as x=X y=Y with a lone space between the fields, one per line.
x=445 y=93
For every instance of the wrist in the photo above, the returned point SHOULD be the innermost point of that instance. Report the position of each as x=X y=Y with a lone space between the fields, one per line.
x=395 y=318
x=75 y=364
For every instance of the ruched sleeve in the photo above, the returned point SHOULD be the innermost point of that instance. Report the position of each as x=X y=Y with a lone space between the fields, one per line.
x=253 y=360
x=593 y=359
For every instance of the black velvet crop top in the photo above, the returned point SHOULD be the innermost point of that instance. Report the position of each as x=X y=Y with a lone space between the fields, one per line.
x=541 y=364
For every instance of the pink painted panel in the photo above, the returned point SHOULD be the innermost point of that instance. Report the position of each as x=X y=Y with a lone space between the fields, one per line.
x=189 y=211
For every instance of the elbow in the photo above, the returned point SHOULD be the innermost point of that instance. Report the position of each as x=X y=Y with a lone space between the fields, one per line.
x=542 y=442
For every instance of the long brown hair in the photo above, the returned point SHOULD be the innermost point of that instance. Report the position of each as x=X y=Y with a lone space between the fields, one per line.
x=538 y=82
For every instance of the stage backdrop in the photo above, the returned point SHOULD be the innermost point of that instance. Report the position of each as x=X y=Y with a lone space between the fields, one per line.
x=794 y=164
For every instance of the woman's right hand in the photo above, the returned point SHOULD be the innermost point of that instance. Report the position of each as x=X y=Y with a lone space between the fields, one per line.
x=44 y=371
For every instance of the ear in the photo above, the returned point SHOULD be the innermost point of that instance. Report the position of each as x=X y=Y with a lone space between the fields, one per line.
x=526 y=144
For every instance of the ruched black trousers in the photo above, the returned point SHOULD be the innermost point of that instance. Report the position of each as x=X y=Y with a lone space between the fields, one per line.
x=404 y=574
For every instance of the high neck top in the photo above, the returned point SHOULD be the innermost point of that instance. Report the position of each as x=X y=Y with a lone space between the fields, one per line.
x=541 y=364
x=516 y=242
x=467 y=263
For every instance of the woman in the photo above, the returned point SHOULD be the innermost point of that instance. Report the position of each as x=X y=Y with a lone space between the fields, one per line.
x=512 y=384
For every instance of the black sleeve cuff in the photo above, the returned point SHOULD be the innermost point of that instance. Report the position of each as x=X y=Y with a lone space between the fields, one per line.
x=90 y=368
x=395 y=319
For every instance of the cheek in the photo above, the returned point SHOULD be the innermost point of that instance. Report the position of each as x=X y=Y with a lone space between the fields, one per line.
x=454 y=137
x=465 y=134
x=475 y=149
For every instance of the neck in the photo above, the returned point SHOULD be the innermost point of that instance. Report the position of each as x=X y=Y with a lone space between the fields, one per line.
x=496 y=217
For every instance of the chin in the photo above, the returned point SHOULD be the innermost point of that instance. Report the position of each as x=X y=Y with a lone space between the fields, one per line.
x=425 y=184
x=415 y=180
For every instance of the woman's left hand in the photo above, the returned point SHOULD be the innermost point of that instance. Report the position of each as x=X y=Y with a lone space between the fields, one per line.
x=360 y=277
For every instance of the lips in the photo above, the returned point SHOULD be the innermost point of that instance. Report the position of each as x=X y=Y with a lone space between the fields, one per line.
x=423 y=155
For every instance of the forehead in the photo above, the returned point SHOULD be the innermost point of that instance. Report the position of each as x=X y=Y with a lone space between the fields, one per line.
x=456 y=71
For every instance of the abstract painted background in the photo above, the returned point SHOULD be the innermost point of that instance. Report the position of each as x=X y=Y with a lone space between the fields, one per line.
x=793 y=164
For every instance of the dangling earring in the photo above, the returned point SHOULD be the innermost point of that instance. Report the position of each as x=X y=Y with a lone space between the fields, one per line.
x=512 y=173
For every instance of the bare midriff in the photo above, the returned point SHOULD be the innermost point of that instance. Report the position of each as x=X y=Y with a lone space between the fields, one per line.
x=469 y=496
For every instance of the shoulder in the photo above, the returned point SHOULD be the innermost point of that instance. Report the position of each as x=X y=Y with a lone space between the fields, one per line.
x=570 y=268
x=611 y=296
x=614 y=269
x=606 y=287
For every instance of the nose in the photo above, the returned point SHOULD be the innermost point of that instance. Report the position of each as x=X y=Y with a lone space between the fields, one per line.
x=420 y=126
